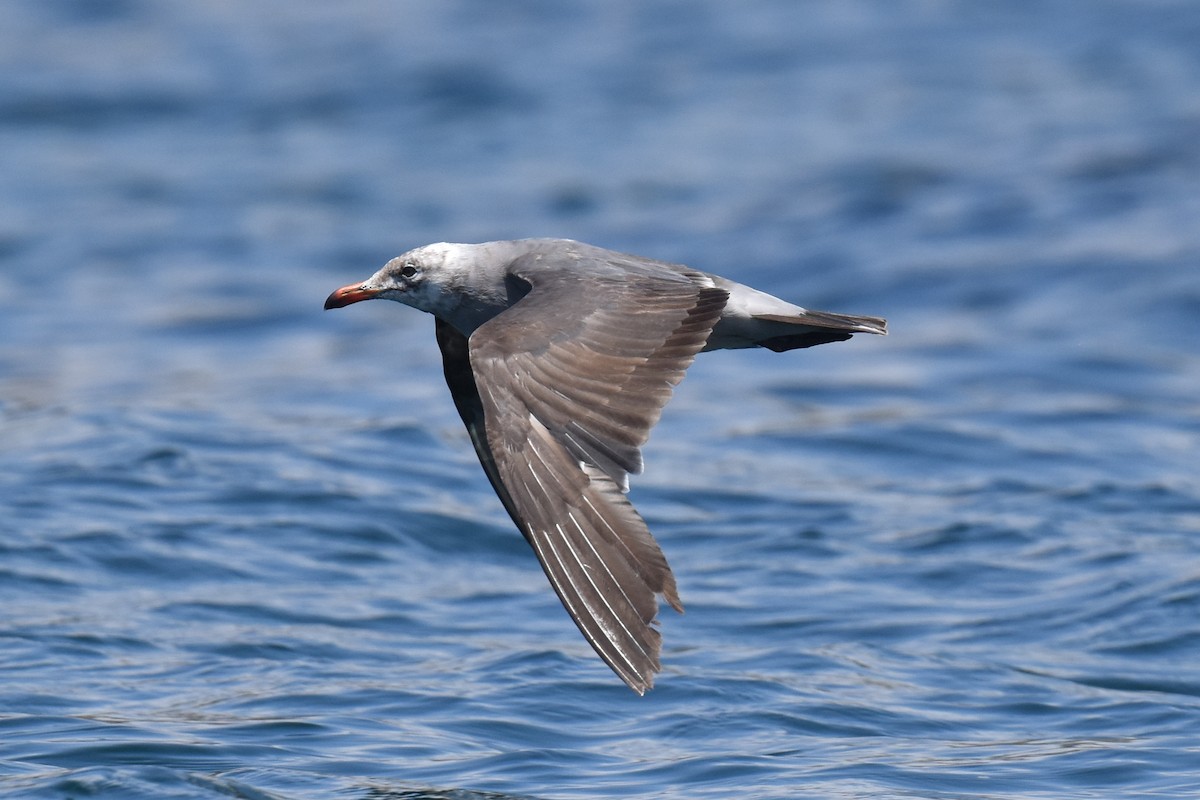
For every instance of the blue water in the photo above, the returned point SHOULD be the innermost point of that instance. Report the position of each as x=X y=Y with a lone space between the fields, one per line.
x=246 y=551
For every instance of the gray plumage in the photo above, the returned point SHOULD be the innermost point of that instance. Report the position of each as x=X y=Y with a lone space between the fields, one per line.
x=560 y=357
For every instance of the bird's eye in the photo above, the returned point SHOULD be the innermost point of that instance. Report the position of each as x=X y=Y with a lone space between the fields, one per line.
x=408 y=270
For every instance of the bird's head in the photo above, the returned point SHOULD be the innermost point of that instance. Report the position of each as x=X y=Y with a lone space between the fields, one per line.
x=417 y=278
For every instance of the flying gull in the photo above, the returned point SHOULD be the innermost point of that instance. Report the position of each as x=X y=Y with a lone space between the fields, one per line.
x=560 y=357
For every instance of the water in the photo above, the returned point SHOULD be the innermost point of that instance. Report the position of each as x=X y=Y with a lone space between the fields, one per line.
x=245 y=550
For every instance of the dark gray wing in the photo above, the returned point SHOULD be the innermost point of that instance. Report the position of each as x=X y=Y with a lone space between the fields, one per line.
x=456 y=365
x=561 y=392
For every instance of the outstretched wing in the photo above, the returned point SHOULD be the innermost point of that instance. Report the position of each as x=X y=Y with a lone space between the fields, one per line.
x=559 y=393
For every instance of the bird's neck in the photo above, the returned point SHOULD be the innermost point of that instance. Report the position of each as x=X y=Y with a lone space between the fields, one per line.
x=472 y=295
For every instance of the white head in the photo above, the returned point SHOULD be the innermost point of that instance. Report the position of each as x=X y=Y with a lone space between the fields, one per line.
x=427 y=278
x=463 y=284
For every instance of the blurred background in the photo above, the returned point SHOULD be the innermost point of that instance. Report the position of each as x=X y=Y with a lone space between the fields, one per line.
x=246 y=550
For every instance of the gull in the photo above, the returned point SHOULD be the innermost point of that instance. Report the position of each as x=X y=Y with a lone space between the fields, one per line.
x=560 y=356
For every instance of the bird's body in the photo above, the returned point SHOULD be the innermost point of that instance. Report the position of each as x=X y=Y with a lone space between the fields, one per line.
x=559 y=357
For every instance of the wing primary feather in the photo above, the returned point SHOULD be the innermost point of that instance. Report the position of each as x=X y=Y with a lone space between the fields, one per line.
x=550 y=501
x=603 y=595
x=588 y=625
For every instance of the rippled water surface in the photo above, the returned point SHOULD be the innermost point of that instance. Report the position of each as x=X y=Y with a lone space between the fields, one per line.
x=246 y=551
